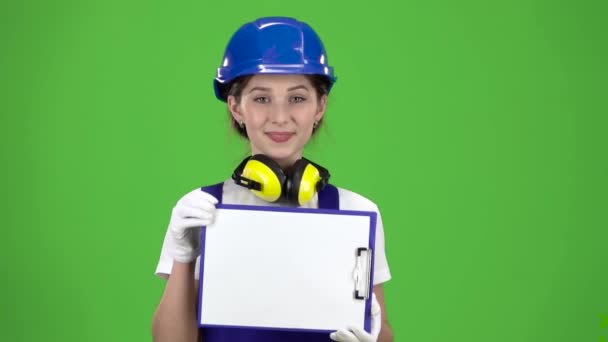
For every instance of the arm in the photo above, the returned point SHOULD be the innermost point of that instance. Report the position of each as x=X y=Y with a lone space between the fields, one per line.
x=386 y=332
x=175 y=317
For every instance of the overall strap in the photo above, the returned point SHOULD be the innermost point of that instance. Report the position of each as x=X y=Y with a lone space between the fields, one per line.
x=329 y=198
x=215 y=190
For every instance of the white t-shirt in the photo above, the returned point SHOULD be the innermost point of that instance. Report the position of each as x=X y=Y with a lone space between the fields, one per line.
x=236 y=194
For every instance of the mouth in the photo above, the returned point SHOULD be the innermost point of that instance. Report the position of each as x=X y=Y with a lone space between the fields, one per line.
x=280 y=137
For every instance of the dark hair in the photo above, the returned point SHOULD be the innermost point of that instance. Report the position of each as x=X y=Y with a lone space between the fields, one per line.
x=235 y=88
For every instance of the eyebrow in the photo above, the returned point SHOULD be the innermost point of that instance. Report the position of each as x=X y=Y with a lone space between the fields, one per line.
x=268 y=89
x=298 y=87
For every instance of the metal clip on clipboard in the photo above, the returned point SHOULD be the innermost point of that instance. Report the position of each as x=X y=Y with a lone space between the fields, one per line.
x=362 y=273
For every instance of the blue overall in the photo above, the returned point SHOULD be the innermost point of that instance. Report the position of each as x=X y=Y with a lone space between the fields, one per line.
x=328 y=199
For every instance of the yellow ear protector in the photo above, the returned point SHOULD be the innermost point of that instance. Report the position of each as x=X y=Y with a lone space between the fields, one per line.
x=265 y=178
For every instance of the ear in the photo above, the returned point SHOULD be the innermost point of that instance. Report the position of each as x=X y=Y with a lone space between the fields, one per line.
x=233 y=106
x=321 y=108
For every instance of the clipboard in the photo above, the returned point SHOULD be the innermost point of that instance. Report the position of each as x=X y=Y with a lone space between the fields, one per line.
x=287 y=269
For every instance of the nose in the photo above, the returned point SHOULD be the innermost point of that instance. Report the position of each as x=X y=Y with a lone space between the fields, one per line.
x=279 y=114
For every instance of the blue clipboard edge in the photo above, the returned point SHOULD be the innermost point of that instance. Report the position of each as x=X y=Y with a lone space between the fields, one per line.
x=266 y=328
x=371 y=244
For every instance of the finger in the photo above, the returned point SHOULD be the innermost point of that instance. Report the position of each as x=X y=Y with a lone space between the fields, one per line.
x=343 y=335
x=203 y=196
x=201 y=200
x=375 y=305
x=361 y=334
x=198 y=191
x=186 y=225
x=191 y=223
x=193 y=212
x=210 y=198
x=376 y=316
x=376 y=325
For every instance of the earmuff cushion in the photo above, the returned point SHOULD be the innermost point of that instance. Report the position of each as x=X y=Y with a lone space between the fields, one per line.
x=292 y=189
x=307 y=179
x=265 y=178
x=323 y=173
x=267 y=172
x=272 y=165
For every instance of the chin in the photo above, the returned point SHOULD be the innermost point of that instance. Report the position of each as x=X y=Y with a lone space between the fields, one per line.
x=280 y=154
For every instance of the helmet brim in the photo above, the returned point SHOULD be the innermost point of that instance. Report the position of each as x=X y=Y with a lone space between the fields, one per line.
x=224 y=79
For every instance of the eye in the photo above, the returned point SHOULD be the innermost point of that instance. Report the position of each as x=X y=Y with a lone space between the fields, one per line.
x=261 y=99
x=298 y=99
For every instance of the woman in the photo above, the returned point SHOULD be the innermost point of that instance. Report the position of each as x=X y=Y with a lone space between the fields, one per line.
x=275 y=79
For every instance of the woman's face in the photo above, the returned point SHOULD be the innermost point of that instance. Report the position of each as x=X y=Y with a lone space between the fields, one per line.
x=279 y=113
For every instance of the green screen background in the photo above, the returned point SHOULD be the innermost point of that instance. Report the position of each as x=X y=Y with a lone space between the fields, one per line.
x=478 y=127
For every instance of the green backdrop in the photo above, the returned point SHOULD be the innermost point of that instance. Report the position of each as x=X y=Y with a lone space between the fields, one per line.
x=478 y=127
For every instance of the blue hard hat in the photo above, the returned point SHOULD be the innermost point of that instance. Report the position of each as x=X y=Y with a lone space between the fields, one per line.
x=272 y=45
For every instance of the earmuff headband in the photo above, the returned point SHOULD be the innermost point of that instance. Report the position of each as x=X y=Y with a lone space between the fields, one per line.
x=268 y=181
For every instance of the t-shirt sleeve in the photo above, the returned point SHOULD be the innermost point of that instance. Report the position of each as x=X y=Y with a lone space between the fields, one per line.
x=382 y=272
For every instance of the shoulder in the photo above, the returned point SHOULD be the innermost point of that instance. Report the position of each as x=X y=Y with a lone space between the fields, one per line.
x=350 y=200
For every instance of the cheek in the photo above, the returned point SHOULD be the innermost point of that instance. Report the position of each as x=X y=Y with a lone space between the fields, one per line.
x=254 y=115
x=305 y=116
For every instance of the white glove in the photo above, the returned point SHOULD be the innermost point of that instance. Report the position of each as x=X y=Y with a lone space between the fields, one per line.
x=194 y=210
x=355 y=334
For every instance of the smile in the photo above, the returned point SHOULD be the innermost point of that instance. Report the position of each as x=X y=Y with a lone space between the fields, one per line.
x=280 y=137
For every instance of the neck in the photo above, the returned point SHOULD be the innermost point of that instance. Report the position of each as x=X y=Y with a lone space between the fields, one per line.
x=285 y=163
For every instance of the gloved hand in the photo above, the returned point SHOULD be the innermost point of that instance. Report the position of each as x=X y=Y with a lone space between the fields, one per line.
x=355 y=334
x=194 y=210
